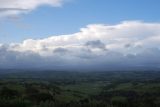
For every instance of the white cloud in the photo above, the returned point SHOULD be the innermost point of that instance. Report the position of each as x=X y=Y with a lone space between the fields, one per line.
x=131 y=44
x=14 y=7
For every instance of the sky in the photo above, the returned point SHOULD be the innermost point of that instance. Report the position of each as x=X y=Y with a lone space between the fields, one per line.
x=80 y=34
x=47 y=20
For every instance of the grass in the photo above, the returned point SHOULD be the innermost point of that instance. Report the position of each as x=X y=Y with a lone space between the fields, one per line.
x=85 y=88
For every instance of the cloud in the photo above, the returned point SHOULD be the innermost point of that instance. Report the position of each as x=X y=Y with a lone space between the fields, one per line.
x=96 y=44
x=15 y=7
x=128 y=45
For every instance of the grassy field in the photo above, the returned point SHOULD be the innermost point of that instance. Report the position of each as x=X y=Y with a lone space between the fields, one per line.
x=80 y=89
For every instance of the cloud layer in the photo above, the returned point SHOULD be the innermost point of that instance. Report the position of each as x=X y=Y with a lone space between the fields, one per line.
x=14 y=7
x=128 y=45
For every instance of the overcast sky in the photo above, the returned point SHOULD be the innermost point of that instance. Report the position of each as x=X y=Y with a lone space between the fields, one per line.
x=80 y=34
